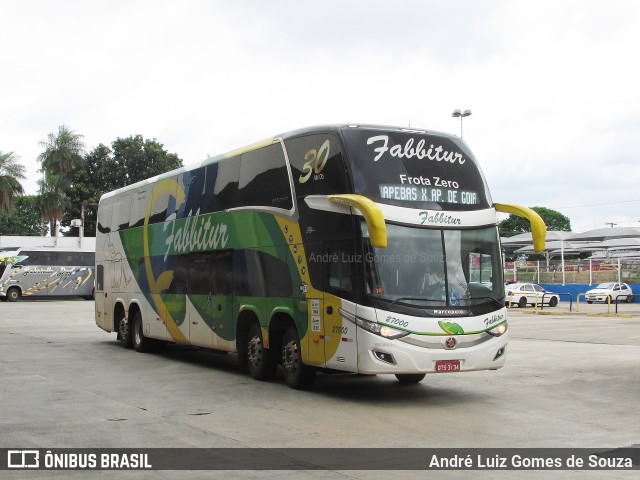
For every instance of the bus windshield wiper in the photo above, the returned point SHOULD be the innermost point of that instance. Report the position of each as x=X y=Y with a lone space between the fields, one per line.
x=493 y=300
x=420 y=299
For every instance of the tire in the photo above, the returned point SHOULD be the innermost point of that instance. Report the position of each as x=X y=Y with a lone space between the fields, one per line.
x=124 y=332
x=629 y=298
x=410 y=378
x=261 y=362
x=296 y=374
x=522 y=302
x=13 y=294
x=553 y=302
x=589 y=302
x=138 y=340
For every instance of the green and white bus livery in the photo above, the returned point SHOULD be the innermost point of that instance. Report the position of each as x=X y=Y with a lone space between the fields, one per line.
x=343 y=248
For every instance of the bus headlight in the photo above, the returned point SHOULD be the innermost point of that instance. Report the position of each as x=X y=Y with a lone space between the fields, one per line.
x=382 y=330
x=388 y=332
x=498 y=330
x=373 y=327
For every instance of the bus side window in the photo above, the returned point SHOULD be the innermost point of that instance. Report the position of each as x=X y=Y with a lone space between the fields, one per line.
x=273 y=274
x=222 y=273
x=317 y=165
x=180 y=285
x=340 y=272
x=105 y=212
x=242 y=273
x=100 y=278
x=199 y=273
x=121 y=210
x=165 y=201
x=193 y=184
x=139 y=199
x=221 y=185
x=264 y=179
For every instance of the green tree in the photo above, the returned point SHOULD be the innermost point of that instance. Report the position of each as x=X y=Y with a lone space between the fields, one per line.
x=554 y=220
x=61 y=157
x=52 y=201
x=24 y=219
x=62 y=153
x=11 y=172
x=129 y=160
x=141 y=159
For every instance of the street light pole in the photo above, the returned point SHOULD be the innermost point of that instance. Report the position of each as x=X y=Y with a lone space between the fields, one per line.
x=458 y=113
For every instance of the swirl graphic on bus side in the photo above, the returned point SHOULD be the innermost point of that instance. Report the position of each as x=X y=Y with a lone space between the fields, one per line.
x=166 y=187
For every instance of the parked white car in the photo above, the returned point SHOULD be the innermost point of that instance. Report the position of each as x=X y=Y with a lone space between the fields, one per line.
x=530 y=293
x=610 y=292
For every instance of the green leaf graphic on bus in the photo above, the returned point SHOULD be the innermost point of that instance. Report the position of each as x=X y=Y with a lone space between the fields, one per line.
x=451 y=328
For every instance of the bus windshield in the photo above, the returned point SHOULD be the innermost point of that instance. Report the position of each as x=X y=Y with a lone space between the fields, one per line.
x=435 y=268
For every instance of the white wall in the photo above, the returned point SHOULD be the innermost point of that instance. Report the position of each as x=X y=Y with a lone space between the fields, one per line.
x=88 y=243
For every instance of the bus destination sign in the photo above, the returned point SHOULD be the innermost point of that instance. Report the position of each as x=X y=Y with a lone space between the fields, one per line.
x=417 y=170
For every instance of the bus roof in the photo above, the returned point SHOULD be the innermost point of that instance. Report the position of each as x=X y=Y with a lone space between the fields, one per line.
x=336 y=128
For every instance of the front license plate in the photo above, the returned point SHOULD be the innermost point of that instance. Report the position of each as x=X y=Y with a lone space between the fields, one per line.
x=447 y=366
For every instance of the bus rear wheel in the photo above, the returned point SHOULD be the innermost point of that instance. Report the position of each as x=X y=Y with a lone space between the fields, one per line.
x=13 y=294
x=262 y=365
x=139 y=341
x=124 y=332
x=296 y=374
x=410 y=378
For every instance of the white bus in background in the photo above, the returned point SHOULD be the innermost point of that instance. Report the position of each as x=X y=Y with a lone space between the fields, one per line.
x=46 y=271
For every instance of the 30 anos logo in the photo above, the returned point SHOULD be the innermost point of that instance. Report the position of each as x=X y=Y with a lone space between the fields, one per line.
x=315 y=161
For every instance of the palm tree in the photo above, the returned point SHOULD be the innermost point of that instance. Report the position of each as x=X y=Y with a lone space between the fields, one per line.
x=62 y=152
x=52 y=201
x=61 y=156
x=10 y=174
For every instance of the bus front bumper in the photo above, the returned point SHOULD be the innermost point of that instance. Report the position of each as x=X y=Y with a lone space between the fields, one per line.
x=430 y=354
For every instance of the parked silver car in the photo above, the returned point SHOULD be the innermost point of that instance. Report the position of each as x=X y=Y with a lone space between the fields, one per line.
x=610 y=292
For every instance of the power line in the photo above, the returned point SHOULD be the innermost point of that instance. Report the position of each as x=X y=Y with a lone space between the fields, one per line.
x=601 y=204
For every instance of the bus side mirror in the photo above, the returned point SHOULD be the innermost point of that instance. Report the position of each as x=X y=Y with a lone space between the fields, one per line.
x=371 y=213
x=538 y=228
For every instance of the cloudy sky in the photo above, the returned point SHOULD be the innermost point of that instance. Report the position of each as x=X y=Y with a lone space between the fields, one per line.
x=554 y=86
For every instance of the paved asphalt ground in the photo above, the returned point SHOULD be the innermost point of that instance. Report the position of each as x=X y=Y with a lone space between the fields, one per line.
x=571 y=380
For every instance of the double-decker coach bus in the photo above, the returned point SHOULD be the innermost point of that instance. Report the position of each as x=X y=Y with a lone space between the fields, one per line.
x=44 y=271
x=359 y=249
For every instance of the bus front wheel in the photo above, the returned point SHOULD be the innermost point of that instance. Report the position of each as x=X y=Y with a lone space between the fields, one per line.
x=262 y=365
x=296 y=374
x=13 y=294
